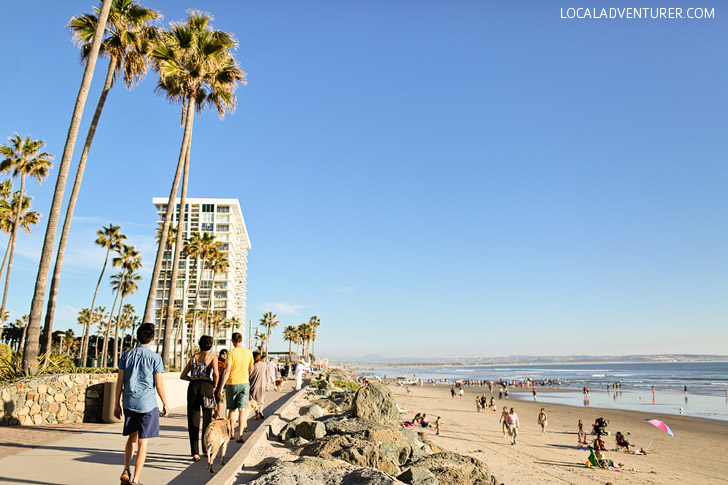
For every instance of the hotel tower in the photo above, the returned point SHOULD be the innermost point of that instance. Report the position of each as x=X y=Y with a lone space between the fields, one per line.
x=223 y=219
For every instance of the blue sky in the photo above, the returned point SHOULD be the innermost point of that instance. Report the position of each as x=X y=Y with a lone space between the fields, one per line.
x=448 y=179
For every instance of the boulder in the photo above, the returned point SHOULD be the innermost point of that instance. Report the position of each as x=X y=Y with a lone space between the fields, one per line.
x=418 y=476
x=312 y=410
x=376 y=403
x=310 y=430
x=456 y=469
x=321 y=471
x=419 y=449
x=295 y=442
x=289 y=430
x=397 y=453
x=359 y=452
x=327 y=405
x=348 y=425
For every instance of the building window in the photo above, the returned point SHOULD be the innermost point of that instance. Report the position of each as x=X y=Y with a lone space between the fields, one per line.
x=223 y=209
x=182 y=264
x=223 y=247
x=207 y=217
x=223 y=227
x=223 y=218
x=206 y=226
x=208 y=207
x=220 y=295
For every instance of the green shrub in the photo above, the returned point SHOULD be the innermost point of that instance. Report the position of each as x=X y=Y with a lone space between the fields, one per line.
x=351 y=385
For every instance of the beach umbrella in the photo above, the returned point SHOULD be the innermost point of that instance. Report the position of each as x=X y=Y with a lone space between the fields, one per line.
x=659 y=425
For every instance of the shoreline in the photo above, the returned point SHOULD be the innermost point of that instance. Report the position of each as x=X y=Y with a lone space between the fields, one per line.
x=358 y=366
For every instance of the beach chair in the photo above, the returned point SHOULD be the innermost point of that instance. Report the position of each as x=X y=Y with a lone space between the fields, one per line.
x=593 y=461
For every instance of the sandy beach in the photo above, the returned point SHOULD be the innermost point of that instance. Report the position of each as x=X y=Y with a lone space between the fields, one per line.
x=692 y=456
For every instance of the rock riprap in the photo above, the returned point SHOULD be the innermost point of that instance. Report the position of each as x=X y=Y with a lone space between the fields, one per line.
x=376 y=403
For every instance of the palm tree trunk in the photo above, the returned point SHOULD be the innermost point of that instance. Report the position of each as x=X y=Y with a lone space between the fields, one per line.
x=158 y=330
x=105 y=352
x=55 y=279
x=13 y=236
x=22 y=339
x=290 y=343
x=85 y=343
x=209 y=301
x=148 y=309
x=5 y=259
x=116 y=332
x=30 y=355
x=184 y=156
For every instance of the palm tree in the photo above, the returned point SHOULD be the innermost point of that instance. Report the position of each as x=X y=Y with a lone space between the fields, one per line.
x=196 y=67
x=6 y=214
x=30 y=355
x=27 y=219
x=290 y=335
x=201 y=246
x=314 y=321
x=125 y=283
x=127 y=317
x=304 y=331
x=217 y=263
x=103 y=330
x=171 y=241
x=23 y=158
x=128 y=40
x=85 y=318
x=127 y=256
x=269 y=322
x=22 y=323
x=110 y=238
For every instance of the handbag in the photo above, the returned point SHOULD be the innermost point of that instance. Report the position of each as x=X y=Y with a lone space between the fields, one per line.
x=209 y=402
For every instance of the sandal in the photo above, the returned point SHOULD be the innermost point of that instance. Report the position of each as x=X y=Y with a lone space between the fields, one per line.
x=240 y=440
x=125 y=477
x=195 y=457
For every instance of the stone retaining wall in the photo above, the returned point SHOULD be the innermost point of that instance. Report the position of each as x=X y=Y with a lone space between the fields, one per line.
x=56 y=399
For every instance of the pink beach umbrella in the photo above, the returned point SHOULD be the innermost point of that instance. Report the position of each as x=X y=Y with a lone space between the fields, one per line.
x=659 y=425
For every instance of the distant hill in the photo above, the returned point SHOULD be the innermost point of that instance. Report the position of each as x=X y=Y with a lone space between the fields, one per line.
x=371 y=360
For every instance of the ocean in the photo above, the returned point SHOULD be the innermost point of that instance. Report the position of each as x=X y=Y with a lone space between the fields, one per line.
x=707 y=383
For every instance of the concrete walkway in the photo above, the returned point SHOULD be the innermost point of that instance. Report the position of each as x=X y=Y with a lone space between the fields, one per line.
x=94 y=454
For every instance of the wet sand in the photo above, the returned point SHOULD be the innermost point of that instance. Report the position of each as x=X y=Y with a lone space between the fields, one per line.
x=693 y=455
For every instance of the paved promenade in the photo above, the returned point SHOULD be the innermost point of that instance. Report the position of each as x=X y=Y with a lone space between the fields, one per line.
x=94 y=453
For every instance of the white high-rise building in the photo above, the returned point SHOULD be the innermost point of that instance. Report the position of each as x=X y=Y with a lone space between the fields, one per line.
x=223 y=219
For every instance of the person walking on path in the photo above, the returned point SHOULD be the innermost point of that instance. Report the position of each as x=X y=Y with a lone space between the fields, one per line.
x=299 y=375
x=220 y=388
x=140 y=377
x=272 y=373
x=504 y=419
x=543 y=421
x=258 y=382
x=513 y=425
x=239 y=365
x=202 y=373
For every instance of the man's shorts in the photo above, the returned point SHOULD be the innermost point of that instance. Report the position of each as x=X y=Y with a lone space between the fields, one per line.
x=236 y=395
x=146 y=424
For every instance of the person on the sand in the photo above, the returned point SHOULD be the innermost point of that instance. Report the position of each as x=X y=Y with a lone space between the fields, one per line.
x=513 y=425
x=542 y=421
x=621 y=442
x=437 y=425
x=504 y=419
x=452 y=392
